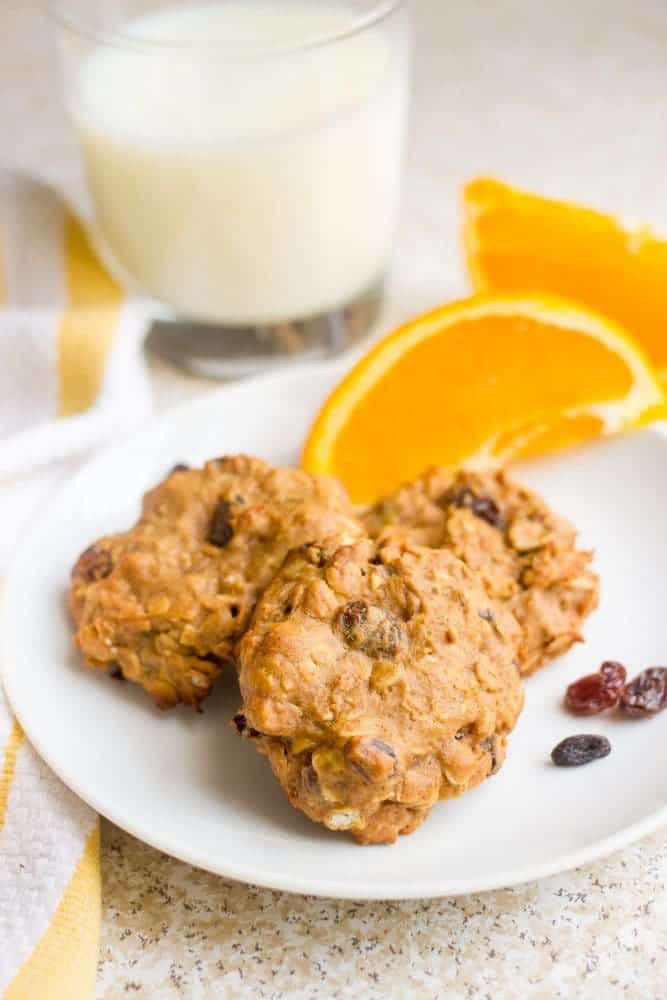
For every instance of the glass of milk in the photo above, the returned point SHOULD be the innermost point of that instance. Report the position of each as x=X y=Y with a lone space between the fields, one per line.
x=243 y=160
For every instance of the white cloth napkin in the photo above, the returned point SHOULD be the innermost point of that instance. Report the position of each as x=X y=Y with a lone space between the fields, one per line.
x=72 y=377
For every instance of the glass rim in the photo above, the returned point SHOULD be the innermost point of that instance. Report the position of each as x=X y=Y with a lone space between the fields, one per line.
x=64 y=15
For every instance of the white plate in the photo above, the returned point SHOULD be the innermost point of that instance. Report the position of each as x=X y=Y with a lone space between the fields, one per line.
x=189 y=786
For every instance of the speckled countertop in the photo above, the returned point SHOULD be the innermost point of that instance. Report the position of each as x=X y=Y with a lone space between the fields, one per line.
x=566 y=97
x=170 y=931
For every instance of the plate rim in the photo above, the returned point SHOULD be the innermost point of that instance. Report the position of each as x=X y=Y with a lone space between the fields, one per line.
x=323 y=887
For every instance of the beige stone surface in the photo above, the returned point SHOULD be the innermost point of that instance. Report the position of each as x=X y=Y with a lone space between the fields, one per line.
x=568 y=97
x=173 y=931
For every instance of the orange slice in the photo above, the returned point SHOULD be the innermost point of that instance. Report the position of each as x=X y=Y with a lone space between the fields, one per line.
x=518 y=241
x=480 y=382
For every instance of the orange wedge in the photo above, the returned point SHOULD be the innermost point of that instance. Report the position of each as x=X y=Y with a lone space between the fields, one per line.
x=518 y=241
x=480 y=382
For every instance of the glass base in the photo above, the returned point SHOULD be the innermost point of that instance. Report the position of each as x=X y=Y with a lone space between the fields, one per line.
x=218 y=351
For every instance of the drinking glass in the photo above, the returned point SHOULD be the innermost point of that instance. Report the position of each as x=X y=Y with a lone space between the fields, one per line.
x=243 y=160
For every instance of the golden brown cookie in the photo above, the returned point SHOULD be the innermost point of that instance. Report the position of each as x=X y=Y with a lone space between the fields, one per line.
x=166 y=601
x=378 y=680
x=524 y=552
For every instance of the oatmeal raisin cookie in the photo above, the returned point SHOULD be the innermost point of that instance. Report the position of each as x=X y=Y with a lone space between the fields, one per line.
x=525 y=553
x=378 y=680
x=166 y=601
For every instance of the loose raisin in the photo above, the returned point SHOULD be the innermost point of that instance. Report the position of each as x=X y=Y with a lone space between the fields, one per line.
x=615 y=675
x=179 y=467
x=483 y=507
x=220 y=530
x=646 y=694
x=595 y=693
x=93 y=564
x=577 y=750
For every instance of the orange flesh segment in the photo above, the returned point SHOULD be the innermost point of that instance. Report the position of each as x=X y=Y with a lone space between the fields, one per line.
x=566 y=432
x=519 y=241
x=404 y=422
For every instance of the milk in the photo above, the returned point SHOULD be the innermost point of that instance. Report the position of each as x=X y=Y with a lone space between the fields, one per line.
x=238 y=186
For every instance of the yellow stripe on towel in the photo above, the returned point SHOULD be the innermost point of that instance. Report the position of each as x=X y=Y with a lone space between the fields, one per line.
x=64 y=961
x=87 y=328
x=8 y=767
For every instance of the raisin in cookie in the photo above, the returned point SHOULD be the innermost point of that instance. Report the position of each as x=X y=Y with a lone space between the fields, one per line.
x=166 y=601
x=524 y=552
x=378 y=680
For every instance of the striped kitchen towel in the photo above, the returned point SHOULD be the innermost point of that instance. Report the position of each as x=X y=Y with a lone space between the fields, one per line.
x=71 y=377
